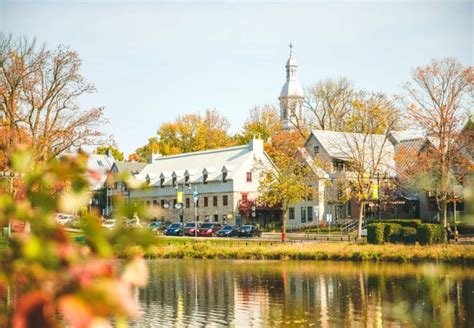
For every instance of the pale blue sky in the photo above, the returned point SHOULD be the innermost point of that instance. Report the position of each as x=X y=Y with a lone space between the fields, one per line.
x=154 y=60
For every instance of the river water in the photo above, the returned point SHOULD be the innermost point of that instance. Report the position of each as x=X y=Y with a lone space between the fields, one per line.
x=234 y=293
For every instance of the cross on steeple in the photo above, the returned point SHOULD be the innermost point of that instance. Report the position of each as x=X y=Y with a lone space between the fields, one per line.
x=291 y=48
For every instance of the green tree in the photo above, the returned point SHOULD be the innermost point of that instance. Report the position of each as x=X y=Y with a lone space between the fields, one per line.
x=117 y=154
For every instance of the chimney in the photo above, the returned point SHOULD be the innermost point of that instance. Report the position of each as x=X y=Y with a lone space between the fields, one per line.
x=256 y=145
x=153 y=157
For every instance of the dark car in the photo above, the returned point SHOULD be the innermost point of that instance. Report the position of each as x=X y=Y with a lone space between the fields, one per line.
x=174 y=229
x=209 y=229
x=227 y=231
x=190 y=228
x=249 y=231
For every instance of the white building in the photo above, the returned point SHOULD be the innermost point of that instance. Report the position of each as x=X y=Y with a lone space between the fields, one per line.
x=226 y=180
x=330 y=154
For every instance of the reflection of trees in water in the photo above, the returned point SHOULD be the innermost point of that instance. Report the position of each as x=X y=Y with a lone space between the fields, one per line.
x=325 y=293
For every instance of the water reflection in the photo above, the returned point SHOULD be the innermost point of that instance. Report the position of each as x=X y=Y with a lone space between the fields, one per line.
x=314 y=294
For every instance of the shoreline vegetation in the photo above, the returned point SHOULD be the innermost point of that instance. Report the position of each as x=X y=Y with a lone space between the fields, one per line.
x=188 y=248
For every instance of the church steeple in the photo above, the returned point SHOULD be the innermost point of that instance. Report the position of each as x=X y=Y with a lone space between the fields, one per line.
x=291 y=96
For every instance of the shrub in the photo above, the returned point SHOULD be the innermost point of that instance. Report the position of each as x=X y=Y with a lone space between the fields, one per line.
x=391 y=232
x=408 y=235
x=412 y=223
x=429 y=233
x=375 y=233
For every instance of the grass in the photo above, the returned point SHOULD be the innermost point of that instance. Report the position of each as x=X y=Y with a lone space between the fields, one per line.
x=265 y=250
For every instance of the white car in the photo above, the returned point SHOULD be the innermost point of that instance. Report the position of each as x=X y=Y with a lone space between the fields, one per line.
x=62 y=219
x=109 y=224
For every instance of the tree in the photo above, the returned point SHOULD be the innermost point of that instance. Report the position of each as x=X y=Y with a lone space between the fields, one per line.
x=288 y=180
x=329 y=103
x=39 y=89
x=54 y=279
x=194 y=132
x=142 y=154
x=117 y=154
x=438 y=99
x=335 y=105
x=263 y=122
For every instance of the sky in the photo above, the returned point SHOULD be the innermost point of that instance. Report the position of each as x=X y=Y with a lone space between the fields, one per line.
x=152 y=61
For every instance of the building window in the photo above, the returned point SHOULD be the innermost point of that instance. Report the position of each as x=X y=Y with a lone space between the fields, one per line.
x=162 y=203
x=303 y=214
x=186 y=180
x=310 y=213
x=249 y=176
x=148 y=203
x=338 y=165
x=316 y=150
x=188 y=202
x=174 y=182
x=291 y=213
x=100 y=163
x=175 y=201
x=216 y=218
x=155 y=202
x=225 y=200
x=162 y=182
x=206 y=201
x=204 y=178
x=196 y=203
x=214 y=201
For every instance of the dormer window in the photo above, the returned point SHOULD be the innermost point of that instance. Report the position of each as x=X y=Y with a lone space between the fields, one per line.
x=249 y=177
x=174 y=182
x=316 y=150
x=186 y=180
x=224 y=177
x=204 y=178
x=162 y=182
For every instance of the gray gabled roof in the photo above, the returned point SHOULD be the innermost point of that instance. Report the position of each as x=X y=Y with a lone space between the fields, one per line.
x=357 y=146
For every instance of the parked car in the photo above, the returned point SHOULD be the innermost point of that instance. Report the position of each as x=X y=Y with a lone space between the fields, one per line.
x=190 y=228
x=156 y=226
x=249 y=231
x=174 y=229
x=109 y=223
x=228 y=231
x=62 y=219
x=209 y=229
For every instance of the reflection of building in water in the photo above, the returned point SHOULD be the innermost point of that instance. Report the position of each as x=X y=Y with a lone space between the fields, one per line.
x=187 y=293
x=241 y=294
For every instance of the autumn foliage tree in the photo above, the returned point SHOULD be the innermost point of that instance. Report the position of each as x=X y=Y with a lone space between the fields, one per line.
x=263 y=122
x=194 y=132
x=47 y=279
x=438 y=98
x=289 y=180
x=39 y=91
x=115 y=152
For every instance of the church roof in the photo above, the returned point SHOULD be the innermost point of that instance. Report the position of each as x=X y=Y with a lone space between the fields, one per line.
x=292 y=88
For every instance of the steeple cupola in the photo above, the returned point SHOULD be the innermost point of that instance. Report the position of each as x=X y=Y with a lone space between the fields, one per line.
x=291 y=96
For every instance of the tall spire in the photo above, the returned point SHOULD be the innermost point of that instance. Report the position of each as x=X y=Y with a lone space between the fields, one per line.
x=291 y=65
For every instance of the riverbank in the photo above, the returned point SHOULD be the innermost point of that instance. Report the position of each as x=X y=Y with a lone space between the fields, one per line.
x=219 y=249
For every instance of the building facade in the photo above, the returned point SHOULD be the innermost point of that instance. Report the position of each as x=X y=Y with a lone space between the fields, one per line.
x=224 y=180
